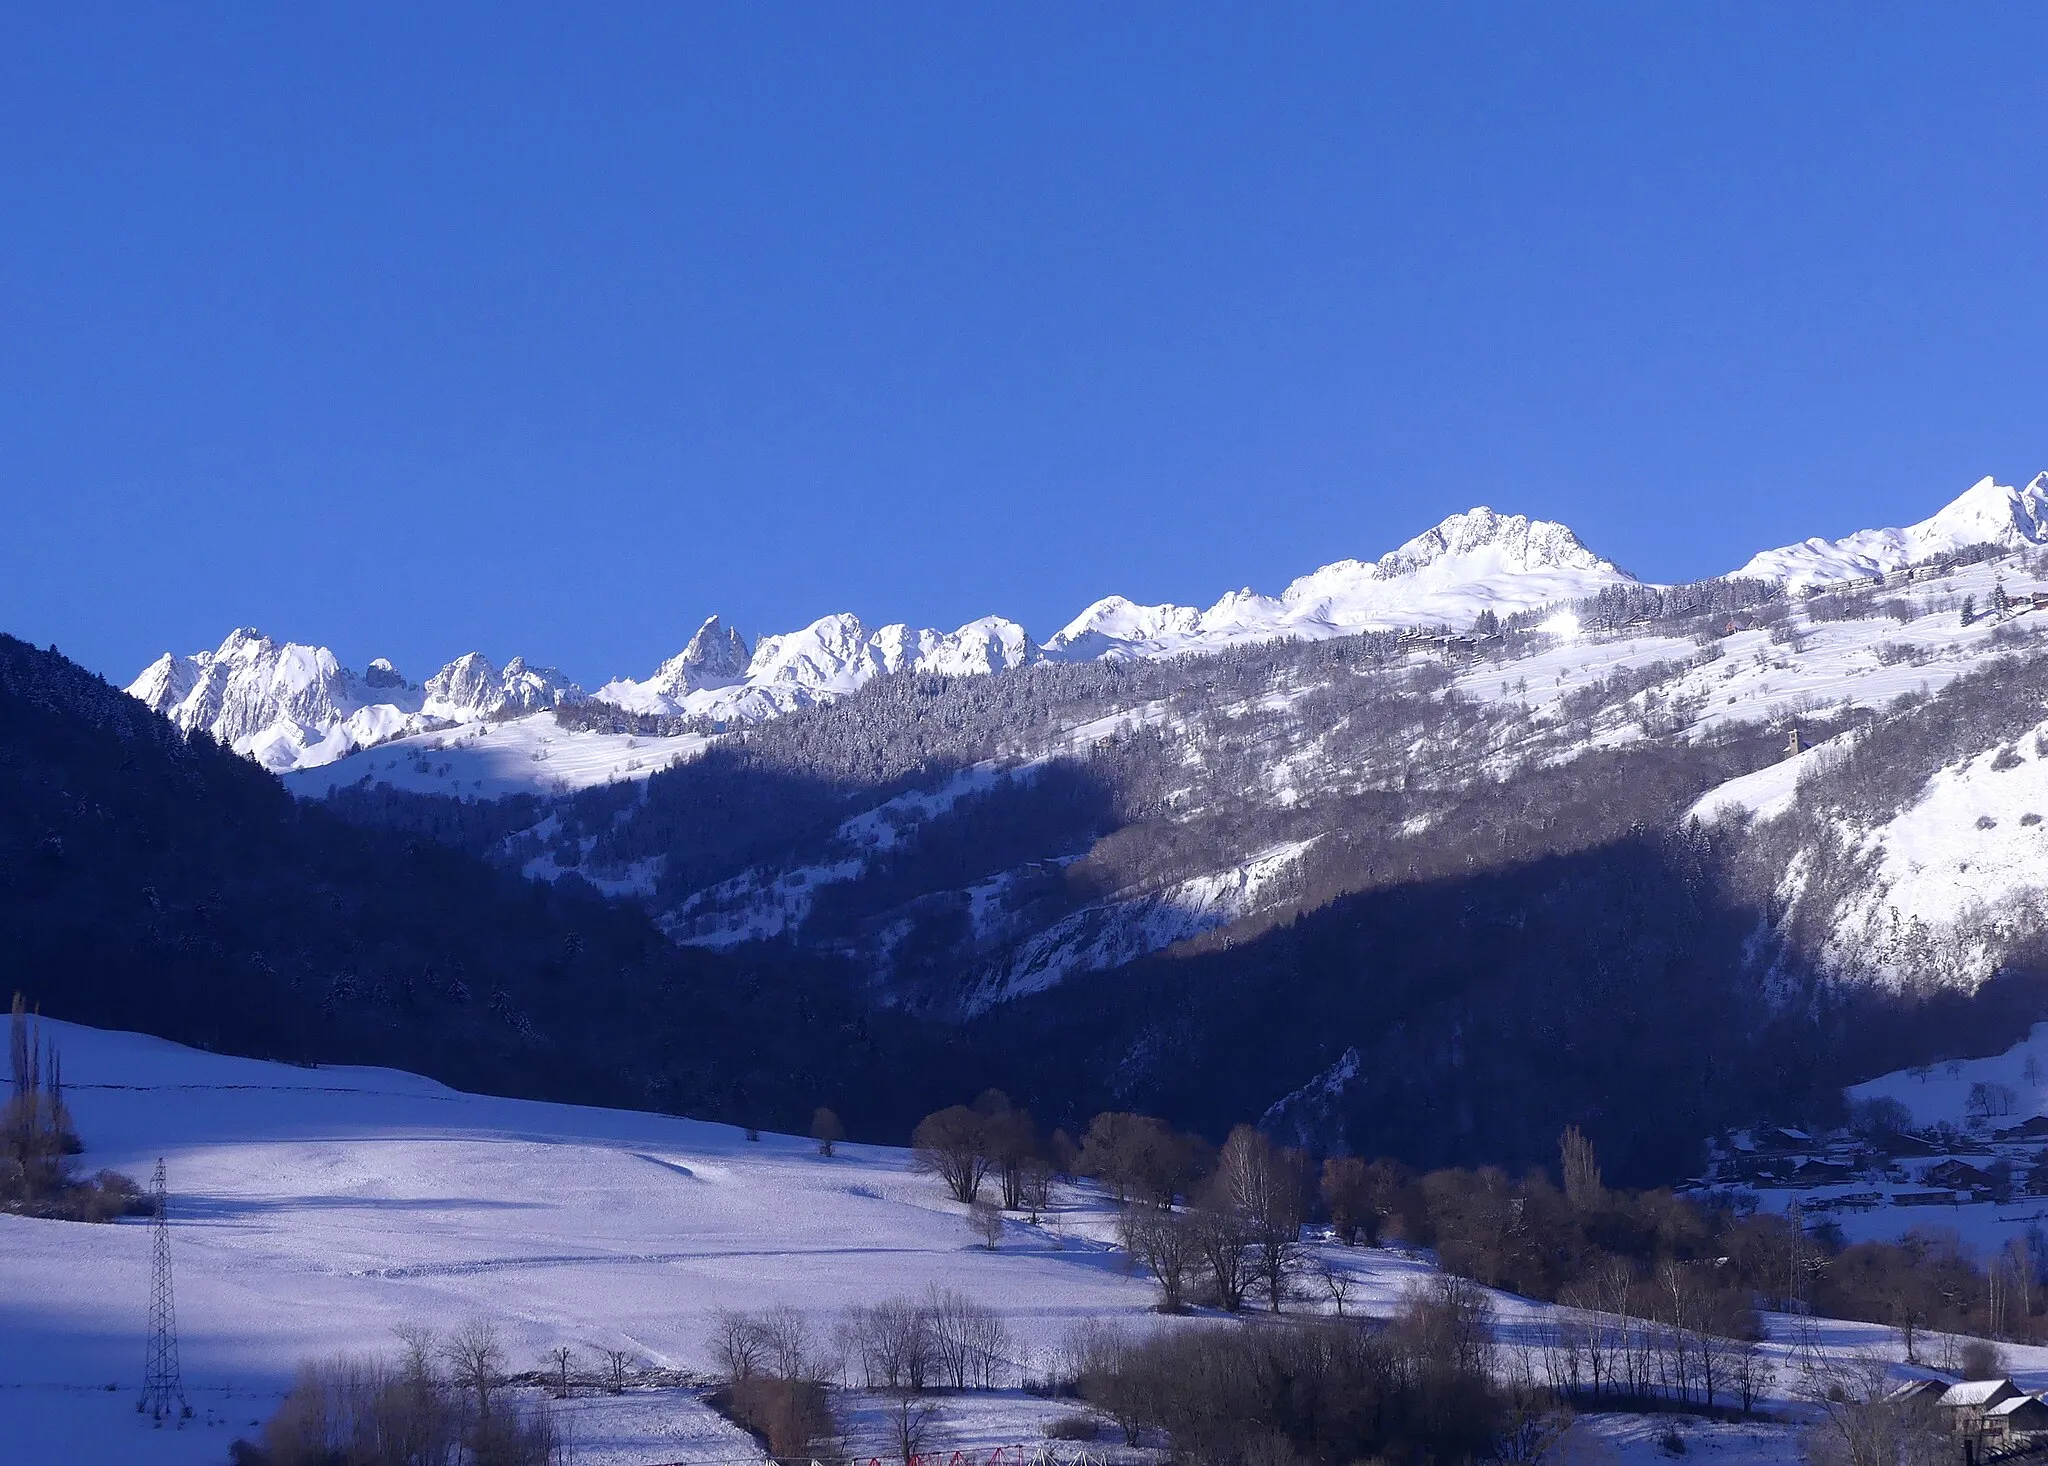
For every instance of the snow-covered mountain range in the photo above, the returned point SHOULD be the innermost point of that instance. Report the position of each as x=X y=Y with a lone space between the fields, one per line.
x=294 y=707
x=290 y=706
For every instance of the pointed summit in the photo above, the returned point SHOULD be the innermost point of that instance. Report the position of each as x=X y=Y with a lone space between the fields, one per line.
x=1987 y=512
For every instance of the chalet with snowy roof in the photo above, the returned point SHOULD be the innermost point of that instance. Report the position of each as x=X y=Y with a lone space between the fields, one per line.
x=1969 y=1401
x=1956 y=1176
x=2023 y=1415
x=1918 y=1392
x=1925 y=1198
x=1782 y=1140
x=2034 y=1129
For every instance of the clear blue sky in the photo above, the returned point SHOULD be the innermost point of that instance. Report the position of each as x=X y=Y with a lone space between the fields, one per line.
x=550 y=330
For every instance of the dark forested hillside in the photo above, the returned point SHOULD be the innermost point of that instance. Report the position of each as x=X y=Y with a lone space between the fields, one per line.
x=156 y=883
x=1389 y=900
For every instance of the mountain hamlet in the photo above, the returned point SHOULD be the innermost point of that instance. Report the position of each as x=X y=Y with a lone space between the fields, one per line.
x=1415 y=866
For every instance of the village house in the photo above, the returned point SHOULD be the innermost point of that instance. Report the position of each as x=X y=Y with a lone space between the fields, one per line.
x=1956 y=1175
x=1968 y=1403
x=2023 y=1415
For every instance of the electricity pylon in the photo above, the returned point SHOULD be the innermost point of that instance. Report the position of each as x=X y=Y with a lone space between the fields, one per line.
x=163 y=1393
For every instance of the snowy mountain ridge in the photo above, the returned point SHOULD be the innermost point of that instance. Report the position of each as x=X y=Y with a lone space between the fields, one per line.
x=289 y=706
x=1471 y=562
x=294 y=707
x=1987 y=512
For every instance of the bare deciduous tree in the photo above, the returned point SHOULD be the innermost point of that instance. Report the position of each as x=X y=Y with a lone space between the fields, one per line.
x=559 y=1358
x=1224 y=1244
x=616 y=1362
x=476 y=1361
x=1165 y=1243
x=826 y=1130
x=985 y=1220
x=1336 y=1281
x=952 y=1144
x=1267 y=1188
x=1581 y=1169
x=790 y=1349
x=912 y=1426
x=737 y=1345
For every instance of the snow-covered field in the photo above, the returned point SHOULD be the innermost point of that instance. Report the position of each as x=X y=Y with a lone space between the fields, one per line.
x=315 y=1210
x=486 y=760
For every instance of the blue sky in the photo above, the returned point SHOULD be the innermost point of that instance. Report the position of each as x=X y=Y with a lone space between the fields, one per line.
x=550 y=330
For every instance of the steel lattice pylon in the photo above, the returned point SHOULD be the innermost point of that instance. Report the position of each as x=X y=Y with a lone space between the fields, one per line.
x=163 y=1393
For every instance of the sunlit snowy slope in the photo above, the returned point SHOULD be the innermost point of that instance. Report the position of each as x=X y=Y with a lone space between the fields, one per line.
x=317 y=1209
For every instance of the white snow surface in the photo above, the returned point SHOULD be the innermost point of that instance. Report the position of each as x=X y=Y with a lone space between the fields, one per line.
x=1471 y=562
x=1134 y=924
x=315 y=1210
x=485 y=759
x=1987 y=512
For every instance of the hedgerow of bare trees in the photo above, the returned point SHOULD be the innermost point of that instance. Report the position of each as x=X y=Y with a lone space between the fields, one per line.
x=37 y=1140
x=1423 y=1388
x=439 y=1403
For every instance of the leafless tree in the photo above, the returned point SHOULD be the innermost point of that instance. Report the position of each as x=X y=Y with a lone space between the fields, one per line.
x=1165 y=1243
x=1013 y=1144
x=826 y=1130
x=891 y=1342
x=952 y=1144
x=969 y=1340
x=1224 y=1244
x=1098 y=1356
x=476 y=1360
x=1581 y=1169
x=789 y=1347
x=912 y=1426
x=985 y=1220
x=1036 y=1187
x=1856 y=1422
x=737 y=1345
x=560 y=1357
x=616 y=1362
x=1267 y=1188
x=1336 y=1281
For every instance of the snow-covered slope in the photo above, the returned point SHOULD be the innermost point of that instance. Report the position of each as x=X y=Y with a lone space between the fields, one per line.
x=486 y=758
x=1986 y=513
x=314 y=1211
x=1471 y=562
x=290 y=706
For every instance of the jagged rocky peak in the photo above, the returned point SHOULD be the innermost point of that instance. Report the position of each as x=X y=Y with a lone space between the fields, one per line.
x=715 y=656
x=470 y=686
x=1519 y=542
x=381 y=674
x=247 y=684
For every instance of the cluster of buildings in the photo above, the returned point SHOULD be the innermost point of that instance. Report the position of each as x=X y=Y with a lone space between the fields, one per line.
x=1844 y=1171
x=1991 y=1414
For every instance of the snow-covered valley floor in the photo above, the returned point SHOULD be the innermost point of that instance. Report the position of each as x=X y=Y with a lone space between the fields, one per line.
x=315 y=1210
